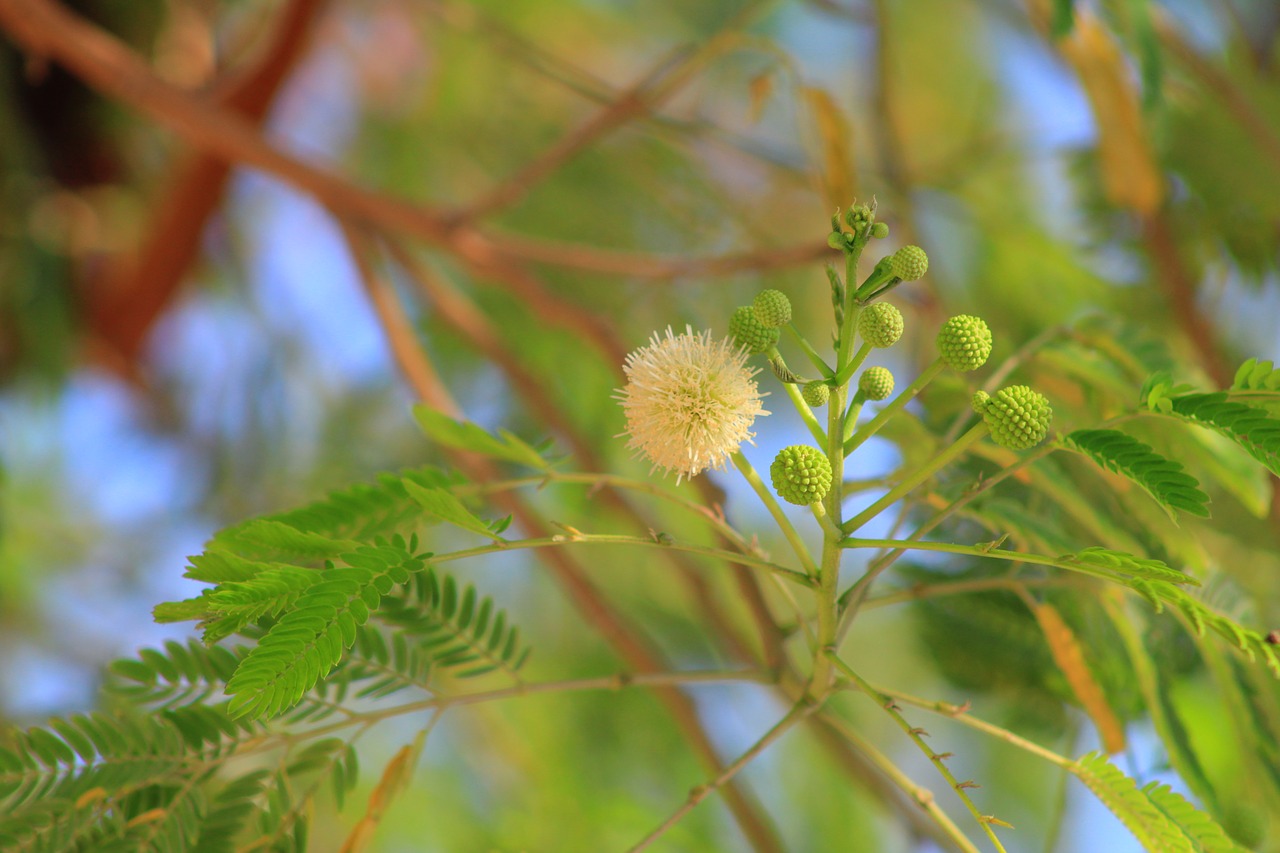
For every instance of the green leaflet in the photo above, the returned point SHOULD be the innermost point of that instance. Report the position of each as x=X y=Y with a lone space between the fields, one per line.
x=310 y=637
x=1125 y=568
x=1247 y=640
x=1165 y=480
x=229 y=811
x=463 y=435
x=1254 y=429
x=1198 y=825
x=1158 y=817
x=267 y=538
x=178 y=675
x=76 y=783
x=444 y=506
x=460 y=629
x=1255 y=375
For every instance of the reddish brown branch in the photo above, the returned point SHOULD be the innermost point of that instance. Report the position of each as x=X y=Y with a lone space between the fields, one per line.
x=132 y=291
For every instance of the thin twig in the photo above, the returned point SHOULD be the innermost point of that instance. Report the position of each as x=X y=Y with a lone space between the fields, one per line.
x=797 y=713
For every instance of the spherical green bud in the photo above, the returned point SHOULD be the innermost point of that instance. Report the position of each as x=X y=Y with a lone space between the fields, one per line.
x=1018 y=417
x=801 y=474
x=980 y=399
x=836 y=239
x=880 y=324
x=964 y=342
x=910 y=263
x=773 y=308
x=880 y=230
x=750 y=332
x=876 y=383
x=815 y=393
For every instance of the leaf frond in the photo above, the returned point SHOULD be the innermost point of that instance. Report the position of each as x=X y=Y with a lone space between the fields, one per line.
x=1165 y=480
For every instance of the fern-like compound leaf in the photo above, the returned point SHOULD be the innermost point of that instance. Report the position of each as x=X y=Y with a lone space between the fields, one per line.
x=310 y=637
x=464 y=435
x=1198 y=825
x=181 y=674
x=1165 y=480
x=461 y=630
x=1254 y=429
x=1124 y=568
x=99 y=782
x=1252 y=643
x=1132 y=806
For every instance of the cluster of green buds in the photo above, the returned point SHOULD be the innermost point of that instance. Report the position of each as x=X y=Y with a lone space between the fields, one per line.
x=1015 y=417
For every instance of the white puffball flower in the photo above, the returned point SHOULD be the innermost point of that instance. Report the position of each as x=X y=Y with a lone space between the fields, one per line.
x=689 y=401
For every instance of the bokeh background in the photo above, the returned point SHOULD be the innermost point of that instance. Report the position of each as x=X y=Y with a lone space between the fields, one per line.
x=182 y=345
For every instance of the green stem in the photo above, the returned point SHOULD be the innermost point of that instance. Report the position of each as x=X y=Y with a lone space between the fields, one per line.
x=908 y=394
x=1067 y=562
x=829 y=574
x=915 y=478
x=882 y=274
x=828 y=526
x=617 y=539
x=806 y=414
x=784 y=524
x=809 y=351
x=922 y=796
x=851 y=416
x=960 y=713
x=847 y=371
x=916 y=735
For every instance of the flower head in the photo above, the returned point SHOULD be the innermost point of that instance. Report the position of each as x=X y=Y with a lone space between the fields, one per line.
x=689 y=401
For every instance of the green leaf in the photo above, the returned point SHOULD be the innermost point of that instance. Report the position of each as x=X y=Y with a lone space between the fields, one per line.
x=1255 y=375
x=1125 y=568
x=446 y=507
x=464 y=435
x=1205 y=833
x=266 y=537
x=1165 y=480
x=1248 y=426
x=1132 y=806
x=312 y=634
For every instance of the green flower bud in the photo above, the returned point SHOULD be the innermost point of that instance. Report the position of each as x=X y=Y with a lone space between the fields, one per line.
x=979 y=402
x=836 y=239
x=910 y=263
x=859 y=215
x=880 y=230
x=964 y=343
x=815 y=393
x=876 y=383
x=1018 y=417
x=772 y=308
x=750 y=332
x=801 y=474
x=880 y=324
